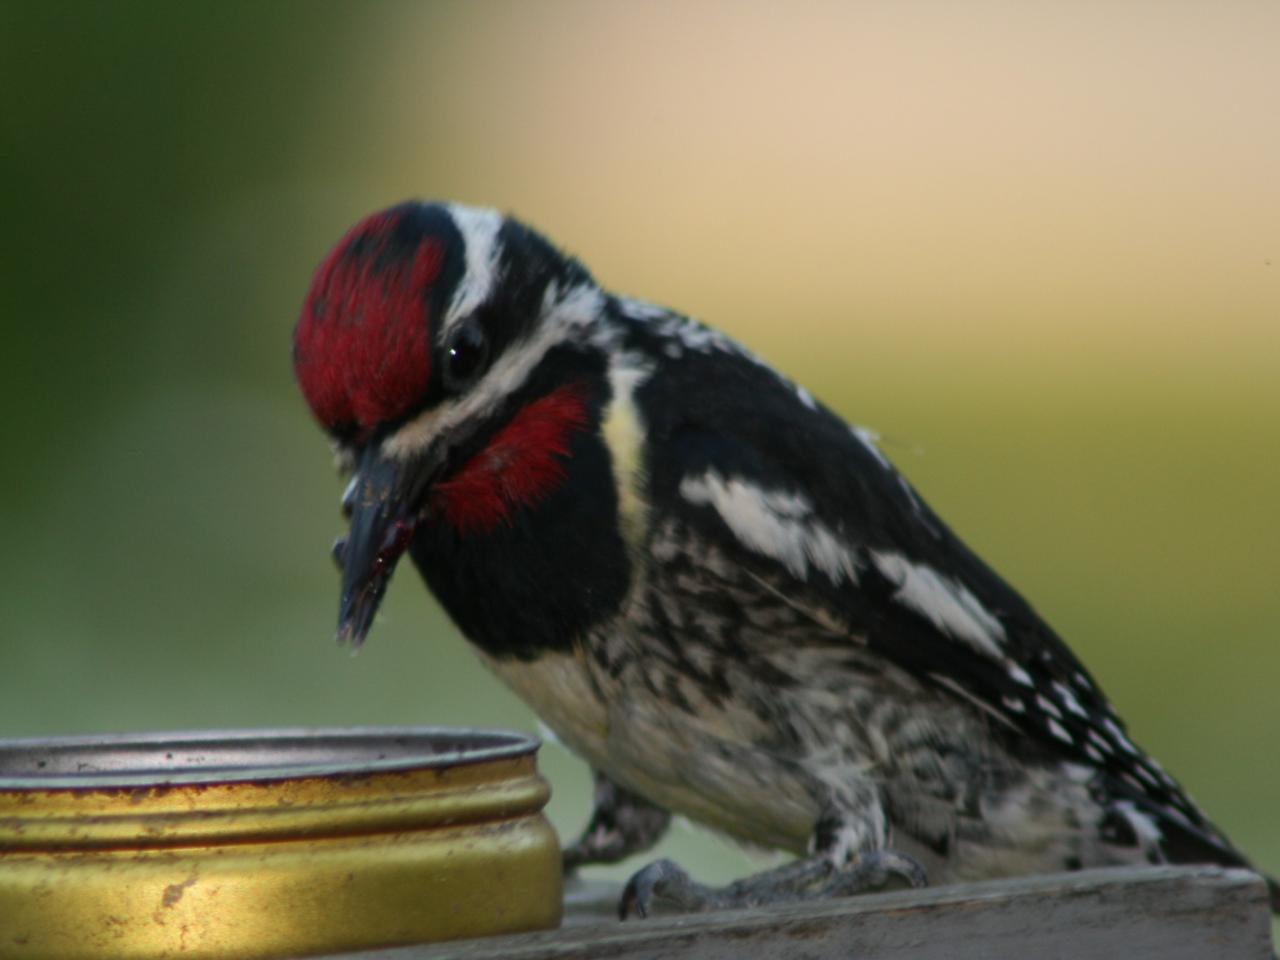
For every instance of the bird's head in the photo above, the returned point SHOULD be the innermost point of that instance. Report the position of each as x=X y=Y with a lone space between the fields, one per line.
x=437 y=348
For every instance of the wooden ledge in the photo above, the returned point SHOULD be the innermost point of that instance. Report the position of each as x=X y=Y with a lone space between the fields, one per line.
x=1156 y=913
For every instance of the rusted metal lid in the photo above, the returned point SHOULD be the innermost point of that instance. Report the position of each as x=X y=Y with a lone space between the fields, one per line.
x=259 y=843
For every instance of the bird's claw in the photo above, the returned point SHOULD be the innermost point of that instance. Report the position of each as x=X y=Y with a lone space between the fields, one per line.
x=622 y=823
x=816 y=878
x=664 y=880
x=871 y=871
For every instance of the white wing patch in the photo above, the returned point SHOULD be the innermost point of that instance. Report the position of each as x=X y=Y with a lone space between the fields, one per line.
x=943 y=601
x=479 y=229
x=777 y=524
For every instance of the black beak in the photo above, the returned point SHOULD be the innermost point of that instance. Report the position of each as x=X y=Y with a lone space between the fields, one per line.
x=384 y=503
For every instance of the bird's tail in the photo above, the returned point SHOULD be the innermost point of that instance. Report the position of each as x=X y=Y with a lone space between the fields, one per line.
x=1185 y=842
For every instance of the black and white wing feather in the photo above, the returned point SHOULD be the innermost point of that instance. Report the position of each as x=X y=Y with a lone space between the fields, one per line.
x=749 y=459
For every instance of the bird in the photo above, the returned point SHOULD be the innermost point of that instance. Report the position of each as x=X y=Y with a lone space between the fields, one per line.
x=709 y=586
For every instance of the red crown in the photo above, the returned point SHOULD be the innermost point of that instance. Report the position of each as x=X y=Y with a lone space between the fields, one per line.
x=362 y=346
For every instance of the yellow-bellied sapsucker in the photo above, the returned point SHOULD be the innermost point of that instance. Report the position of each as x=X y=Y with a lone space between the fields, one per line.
x=708 y=585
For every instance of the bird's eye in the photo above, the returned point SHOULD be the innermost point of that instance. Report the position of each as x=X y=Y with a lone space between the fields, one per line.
x=465 y=355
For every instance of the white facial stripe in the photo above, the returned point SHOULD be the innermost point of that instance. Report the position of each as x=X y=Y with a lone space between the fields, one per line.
x=564 y=318
x=776 y=524
x=947 y=604
x=479 y=229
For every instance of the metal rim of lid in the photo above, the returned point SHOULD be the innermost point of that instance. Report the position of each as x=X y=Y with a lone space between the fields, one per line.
x=246 y=755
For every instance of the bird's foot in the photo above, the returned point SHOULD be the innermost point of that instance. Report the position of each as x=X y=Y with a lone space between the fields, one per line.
x=664 y=880
x=872 y=871
x=815 y=878
x=622 y=823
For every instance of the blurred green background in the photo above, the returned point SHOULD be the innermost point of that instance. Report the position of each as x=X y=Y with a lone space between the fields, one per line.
x=1037 y=247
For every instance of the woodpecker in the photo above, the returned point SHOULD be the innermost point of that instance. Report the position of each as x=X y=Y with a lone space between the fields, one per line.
x=708 y=585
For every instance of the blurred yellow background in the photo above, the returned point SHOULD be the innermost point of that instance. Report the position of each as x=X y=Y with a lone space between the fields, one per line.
x=1035 y=246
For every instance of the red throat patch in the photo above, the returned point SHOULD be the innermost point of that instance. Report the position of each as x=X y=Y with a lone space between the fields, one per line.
x=522 y=464
x=361 y=349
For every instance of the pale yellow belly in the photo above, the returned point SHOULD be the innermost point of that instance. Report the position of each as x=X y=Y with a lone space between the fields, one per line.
x=702 y=769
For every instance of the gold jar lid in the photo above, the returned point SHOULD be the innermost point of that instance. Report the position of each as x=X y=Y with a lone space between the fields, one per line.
x=265 y=843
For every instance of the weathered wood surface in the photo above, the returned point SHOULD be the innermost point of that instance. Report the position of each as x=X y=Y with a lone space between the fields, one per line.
x=1169 y=913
